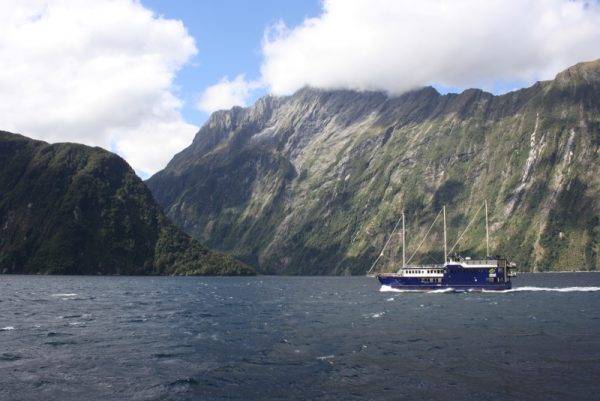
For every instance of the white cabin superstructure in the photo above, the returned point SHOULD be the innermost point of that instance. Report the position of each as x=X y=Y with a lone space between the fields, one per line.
x=422 y=271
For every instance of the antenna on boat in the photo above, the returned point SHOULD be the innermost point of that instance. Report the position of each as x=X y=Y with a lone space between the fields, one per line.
x=487 y=232
x=445 y=246
x=403 y=241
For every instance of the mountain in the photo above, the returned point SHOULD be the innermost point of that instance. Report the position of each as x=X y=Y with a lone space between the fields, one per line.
x=313 y=183
x=73 y=209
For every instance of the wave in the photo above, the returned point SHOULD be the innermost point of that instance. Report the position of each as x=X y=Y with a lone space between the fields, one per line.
x=550 y=289
x=441 y=291
x=64 y=295
x=7 y=328
x=387 y=288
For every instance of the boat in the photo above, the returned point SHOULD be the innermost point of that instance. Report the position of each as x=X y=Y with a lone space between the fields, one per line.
x=456 y=273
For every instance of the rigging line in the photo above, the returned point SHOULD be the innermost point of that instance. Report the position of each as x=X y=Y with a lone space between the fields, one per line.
x=386 y=244
x=465 y=230
x=435 y=261
x=424 y=238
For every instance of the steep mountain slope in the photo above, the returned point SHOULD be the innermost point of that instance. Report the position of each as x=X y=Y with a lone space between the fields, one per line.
x=72 y=209
x=313 y=183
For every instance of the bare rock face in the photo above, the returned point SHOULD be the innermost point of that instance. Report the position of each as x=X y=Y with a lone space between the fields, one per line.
x=73 y=209
x=313 y=183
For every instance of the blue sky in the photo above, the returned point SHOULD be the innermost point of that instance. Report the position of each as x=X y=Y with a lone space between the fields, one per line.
x=133 y=76
x=228 y=36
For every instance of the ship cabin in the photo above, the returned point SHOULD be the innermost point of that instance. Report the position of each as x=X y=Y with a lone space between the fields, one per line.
x=421 y=271
x=491 y=270
x=457 y=272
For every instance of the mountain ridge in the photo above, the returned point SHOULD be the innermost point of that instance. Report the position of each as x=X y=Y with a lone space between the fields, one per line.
x=73 y=209
x=304 y=168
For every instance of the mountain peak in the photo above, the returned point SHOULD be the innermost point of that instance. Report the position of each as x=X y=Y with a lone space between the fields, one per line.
x=314 y=184
x=581 y=73
x=68 y=208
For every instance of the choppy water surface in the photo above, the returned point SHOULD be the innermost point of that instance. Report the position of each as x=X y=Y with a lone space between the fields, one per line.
x=291 y=338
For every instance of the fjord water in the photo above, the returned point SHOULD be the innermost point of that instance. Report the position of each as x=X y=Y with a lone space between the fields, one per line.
x=295 y=338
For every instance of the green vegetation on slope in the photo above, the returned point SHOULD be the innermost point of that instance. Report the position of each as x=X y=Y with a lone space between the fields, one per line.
x=72 y=209
x=313 y=183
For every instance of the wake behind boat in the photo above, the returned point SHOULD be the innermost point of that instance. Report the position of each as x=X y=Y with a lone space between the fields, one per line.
x=456 y=273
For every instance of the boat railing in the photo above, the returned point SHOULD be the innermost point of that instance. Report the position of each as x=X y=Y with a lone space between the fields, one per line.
x=417 y=267
x=478 y=261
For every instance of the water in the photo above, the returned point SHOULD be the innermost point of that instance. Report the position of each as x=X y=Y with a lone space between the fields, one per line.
x=294 y=338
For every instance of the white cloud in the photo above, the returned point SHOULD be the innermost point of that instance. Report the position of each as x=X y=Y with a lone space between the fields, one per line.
x=226 y=94
x=397 y=45
x=98 y=72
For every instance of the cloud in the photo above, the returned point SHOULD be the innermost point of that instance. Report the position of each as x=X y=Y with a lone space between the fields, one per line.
x=98 y=72
x=398 y=45
x=226 y=94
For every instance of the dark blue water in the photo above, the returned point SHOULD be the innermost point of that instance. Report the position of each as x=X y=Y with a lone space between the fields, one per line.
x=289 y=338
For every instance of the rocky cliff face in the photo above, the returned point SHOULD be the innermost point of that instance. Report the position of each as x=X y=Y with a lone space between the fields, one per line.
x=73 y=209
x=313 y=183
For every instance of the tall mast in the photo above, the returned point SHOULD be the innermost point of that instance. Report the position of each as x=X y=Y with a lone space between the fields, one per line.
x=403 y=242
x=487 y=232
x=445 y=246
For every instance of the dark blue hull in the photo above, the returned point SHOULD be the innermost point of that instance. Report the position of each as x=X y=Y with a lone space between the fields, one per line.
x=455 y=287
x=455 y=277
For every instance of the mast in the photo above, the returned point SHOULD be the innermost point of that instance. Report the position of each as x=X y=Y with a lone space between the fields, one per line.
x=403 y=242
x=445 y=246
x=487 y=232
